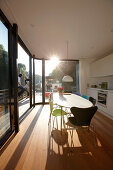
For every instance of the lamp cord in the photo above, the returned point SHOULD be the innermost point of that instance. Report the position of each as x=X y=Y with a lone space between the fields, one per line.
x=67 y=57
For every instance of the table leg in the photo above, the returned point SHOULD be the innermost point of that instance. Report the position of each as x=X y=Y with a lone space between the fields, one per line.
x=61 y=119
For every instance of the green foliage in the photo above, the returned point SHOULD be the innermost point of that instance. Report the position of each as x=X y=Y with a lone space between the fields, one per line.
x=63 y=69
x=38 y=79
x=22 y=70
x=3 y=56
x=4 y=68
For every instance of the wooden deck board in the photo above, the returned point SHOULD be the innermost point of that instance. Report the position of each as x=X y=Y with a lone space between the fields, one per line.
x=35 y=148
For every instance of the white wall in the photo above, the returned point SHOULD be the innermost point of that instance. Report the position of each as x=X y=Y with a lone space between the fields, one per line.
x=102 y=67
x=99 y=80
x=84 y=71
x=102 y=71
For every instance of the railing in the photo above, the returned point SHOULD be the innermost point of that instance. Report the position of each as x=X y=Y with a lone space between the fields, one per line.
x=4 y=96
x=23 y=96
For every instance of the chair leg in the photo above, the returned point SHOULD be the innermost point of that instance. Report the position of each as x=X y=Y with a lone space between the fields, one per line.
x=53 y=122
x=56 y=122
x=64 y=125
x=49 y=122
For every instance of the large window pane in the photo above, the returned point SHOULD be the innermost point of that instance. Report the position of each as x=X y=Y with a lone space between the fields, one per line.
x=38 y=81
x=54 y=72
x=4 y=82
x=23 y=81
x=32 y=83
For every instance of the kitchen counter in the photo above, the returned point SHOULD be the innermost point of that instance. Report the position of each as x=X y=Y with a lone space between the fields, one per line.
x=106 y=109
x=109 y=90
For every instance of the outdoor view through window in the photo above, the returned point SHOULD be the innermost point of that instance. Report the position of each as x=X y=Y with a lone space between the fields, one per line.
x=54 y=72
x=23 y=81
x=5 y=125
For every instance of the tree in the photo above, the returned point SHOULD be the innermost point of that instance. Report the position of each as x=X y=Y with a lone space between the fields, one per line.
x=22 y=70
x=4 y=68
x=65 y=68
x=3 y=56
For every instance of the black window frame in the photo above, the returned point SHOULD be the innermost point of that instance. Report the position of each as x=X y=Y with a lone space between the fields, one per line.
x=22 y=44
x=43 y=78
x=9 y=27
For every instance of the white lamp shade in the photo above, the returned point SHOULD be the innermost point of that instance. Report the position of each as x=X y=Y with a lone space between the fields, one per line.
x=67 y=79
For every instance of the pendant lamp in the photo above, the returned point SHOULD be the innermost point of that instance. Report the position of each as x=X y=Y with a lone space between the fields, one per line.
x=67 y=78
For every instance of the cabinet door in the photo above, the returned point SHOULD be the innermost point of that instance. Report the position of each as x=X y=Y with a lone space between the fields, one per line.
x=92 y=93
x=110 y=103
x=102 y=67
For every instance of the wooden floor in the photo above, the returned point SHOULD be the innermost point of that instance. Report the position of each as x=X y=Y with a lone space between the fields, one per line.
x=40 y=147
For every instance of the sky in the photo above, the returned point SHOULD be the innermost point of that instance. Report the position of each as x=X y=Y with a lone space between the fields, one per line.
x=50 y=65
x=4 y=36
x=23 y=57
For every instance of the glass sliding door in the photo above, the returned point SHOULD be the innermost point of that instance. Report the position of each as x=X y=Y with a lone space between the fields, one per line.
x=23 y=81
x=68 y=68
x=38 y=80
x=33 y=89
x=53 y=73
x=5 y=91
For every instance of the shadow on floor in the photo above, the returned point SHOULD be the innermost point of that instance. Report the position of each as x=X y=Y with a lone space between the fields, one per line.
x=24 y=101
x=76 y=149
x=19 y=150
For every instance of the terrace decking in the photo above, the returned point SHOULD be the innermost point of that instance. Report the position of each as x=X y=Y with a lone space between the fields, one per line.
x=24 y=105
x=4 y=112
x=4 y=124
x=38 y=146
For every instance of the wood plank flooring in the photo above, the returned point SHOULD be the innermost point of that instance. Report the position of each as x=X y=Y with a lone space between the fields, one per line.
x=38 y=146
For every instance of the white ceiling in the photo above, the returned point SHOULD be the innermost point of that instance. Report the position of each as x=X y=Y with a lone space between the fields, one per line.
x=46 y=25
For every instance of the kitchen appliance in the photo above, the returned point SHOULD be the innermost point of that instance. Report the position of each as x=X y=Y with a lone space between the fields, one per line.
x=104 y=85
x=102 y=97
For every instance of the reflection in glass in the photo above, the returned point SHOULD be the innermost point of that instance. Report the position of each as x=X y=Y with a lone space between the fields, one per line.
x=4 y=82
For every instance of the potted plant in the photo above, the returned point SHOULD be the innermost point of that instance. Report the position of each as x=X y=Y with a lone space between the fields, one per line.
x=60 y=90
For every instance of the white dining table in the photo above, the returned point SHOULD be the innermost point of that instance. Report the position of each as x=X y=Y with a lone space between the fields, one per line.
x=69 y=100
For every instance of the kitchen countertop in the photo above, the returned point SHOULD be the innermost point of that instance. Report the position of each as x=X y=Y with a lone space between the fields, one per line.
x=109 y=90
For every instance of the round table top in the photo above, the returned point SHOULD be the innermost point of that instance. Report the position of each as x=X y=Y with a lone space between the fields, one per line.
x=71 y=100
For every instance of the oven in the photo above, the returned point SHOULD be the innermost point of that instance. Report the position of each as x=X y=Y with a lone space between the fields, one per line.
x=102 y=97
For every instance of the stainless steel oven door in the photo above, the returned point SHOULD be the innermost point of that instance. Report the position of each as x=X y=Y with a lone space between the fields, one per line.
x=102 y=98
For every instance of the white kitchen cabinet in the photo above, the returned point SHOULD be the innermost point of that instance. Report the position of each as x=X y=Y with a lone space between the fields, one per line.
x=102 y=67
x=91 y=92
x=110 y=103
x=106 y=110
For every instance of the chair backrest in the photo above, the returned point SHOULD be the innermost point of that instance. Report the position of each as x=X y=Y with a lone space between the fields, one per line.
x=83 y=116
x=78 y=94
x=85 y=97
x=91 y=99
